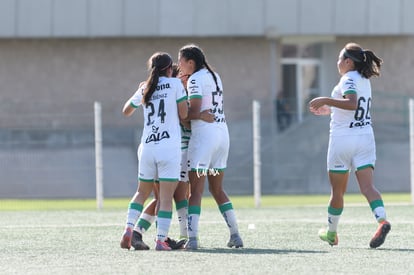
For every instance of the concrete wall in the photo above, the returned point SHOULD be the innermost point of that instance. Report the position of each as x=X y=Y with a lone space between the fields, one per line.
x=65 y=77
x=184 y=18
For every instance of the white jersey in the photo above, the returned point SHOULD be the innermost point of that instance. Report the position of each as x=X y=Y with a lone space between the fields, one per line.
x=348 y=122
x=201 y=84
x=209 y=144
x=161 y=120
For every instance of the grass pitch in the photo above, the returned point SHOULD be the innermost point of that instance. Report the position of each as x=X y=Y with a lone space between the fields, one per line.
x=279 y=239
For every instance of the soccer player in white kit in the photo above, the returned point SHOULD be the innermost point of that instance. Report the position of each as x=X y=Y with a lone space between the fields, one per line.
x=165 y=102
x=209 y=144
x=351 y=140
x=148 y=215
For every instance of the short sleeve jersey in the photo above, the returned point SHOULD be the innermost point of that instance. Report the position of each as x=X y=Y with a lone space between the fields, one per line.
x=201 y=84
x=350 y=122
x=161 y=121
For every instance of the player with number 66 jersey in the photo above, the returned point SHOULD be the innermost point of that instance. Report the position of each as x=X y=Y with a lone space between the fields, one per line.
x=351 y=141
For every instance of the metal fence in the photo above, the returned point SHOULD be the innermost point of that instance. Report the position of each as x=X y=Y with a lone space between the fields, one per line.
x=57 y=158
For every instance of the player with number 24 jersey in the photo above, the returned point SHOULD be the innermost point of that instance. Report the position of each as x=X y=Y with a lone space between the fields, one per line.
x=161 y=123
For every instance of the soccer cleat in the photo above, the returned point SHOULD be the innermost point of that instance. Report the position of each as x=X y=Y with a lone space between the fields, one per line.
x=126 y=239
x=235 y=241
x=175 y=244
x=162 y=246
x=191 y=244
x=137 y=241
x=328 y=236
x=379 y=237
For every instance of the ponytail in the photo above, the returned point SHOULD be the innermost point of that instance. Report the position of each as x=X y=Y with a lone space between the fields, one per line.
x=157 y=65
x=366 y=62
x=213 y=74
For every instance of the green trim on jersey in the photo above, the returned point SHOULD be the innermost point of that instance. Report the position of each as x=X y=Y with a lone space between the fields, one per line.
x=339 y=171
x=195 y=96
x=350 y=92
x=133 y=105
x=181 y=99
x=365 y=166
x=168 y=179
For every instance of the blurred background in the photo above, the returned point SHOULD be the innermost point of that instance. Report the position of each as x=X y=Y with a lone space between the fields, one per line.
x=58 y=57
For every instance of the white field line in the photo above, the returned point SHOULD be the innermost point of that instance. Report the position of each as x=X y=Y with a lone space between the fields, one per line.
x=244 y=222
x=269 y=220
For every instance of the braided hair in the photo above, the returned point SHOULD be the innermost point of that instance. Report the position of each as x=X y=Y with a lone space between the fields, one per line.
x=158 y=64
x=366 y=62
x=195 y=53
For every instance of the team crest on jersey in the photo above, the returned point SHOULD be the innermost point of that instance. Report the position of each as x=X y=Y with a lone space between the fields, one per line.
x=156 y=136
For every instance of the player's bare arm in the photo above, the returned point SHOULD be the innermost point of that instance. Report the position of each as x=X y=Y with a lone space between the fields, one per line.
x=349 y=102
x=128 y=109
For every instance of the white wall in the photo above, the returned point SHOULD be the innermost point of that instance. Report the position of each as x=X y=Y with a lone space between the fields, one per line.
x=184 y=18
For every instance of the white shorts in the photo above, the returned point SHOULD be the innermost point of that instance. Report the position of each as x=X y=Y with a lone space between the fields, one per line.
x=159 y=163
x=347 y=153
x=209 y=149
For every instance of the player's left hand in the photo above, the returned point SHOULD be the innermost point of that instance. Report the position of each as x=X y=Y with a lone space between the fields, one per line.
x=207 y=116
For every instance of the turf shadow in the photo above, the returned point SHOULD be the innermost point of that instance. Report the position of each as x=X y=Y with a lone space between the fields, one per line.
x=410 y=250
x=254 y=251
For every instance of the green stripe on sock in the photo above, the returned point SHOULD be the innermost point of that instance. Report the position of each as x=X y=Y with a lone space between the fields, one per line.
x=375 y=204
x=165 y=214
x=225 y=206
x=194 y=209
x=181 y=204
x=335 y=211
x=144 y=224
x=136 y=206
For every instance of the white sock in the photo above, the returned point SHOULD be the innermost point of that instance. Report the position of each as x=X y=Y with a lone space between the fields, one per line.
x=333 y=221
x=193 y=220
x=379 y=213
x=230 y=218
x=163 y=226
x=182 y=215
x=132 y=217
